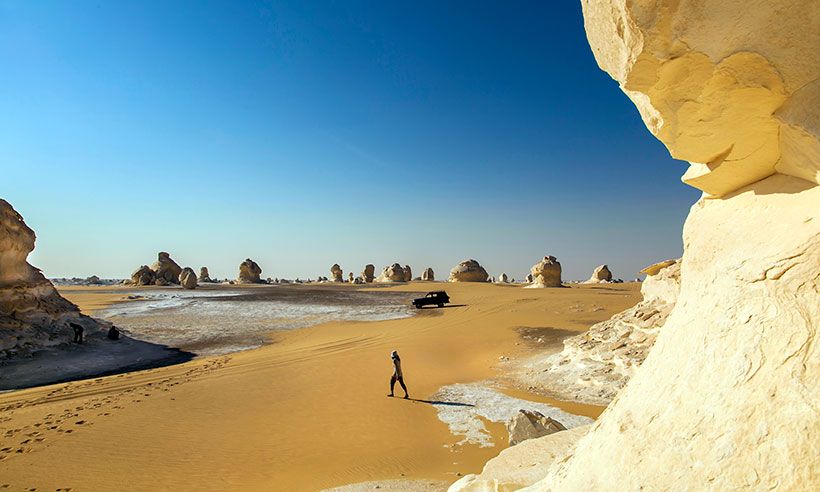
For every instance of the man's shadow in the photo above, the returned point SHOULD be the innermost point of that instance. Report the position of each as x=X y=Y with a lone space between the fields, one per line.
x=440 y=402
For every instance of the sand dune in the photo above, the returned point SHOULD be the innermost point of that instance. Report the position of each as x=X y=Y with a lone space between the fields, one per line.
x=307 y=412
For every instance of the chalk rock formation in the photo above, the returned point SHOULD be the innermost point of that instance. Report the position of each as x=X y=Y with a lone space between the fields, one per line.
x=33 y=315
x=529 y=278
x=187 y=279
x=350 y=277
x=428 y=275
x=393 y=273
x=167 y=269
x=529 y=425
x=336 y=273
x=468 y=271
x=546 y=273
x=143 y=276
x=503 y=278
x=204 y=276
x=249 y=272
x=522 y=465
x=408 y=273
x=369 y=273
x=726 y=399
x=600 y=274
x=594 y=366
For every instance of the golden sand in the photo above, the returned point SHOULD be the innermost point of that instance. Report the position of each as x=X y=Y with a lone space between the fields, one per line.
x=307 y=412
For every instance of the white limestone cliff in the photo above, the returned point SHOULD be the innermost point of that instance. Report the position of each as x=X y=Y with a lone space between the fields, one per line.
x=727 y=397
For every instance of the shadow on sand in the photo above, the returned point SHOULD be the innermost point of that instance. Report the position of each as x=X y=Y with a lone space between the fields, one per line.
x=443 y=307
x=438 y=402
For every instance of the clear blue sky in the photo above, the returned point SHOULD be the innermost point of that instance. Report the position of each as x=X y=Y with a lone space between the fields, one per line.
x=301 y=134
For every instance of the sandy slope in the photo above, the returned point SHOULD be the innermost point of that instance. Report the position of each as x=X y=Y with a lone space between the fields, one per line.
x=307 y=412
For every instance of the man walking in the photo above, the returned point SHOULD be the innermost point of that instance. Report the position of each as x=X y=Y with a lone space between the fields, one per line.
x=397 y=375
x=78 y=332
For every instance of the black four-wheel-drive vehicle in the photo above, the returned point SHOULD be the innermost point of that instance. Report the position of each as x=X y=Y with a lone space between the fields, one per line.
x=439 y=298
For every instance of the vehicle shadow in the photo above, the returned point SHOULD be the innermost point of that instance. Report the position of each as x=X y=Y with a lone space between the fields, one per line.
x=443 y=307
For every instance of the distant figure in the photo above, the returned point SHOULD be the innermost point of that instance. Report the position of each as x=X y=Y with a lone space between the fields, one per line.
x=78 y=332
x=397 y=374
x=113 y=333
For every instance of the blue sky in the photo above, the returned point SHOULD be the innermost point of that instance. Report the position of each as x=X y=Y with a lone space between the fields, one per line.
x=301 y=134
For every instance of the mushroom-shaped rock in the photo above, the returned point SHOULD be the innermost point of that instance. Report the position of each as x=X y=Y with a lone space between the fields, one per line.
x=336 y=273
x=600 y=274
x=204 y=276
x=166 y=268
x=33 y=315
x=187 y=279
x=546 y=273
x=529 y=278
x=249 y=272
x=428 y=275
x=393 y=273
x=530 y=424
x=350 y=277
x=733 y=87
x=143 y=276
x=468 y=271
x=369 y=273
x=408 y=273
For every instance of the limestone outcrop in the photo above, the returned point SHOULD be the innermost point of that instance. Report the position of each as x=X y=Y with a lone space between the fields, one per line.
x=204 y=276
x=600 y=274
x=529 y=278
x=468 y=271
x=546 y=273
x=530 y=425
x=428 y=275
x=188 y=279
x=249 y=272
x=726 y=399
x=336 y=273
x=408 y=273
x=594 y=366
x=143 y=276
x=369 y=274
x=503 y=278
x=33 y=315
x=522 y=465
x=166 y=269
x=393 y=273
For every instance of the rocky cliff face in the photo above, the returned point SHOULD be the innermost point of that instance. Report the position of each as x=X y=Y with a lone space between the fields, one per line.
x=727 y=397
x=32 y=314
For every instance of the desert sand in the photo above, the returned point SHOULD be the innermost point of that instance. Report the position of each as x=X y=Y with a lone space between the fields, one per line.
x=308 y=411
